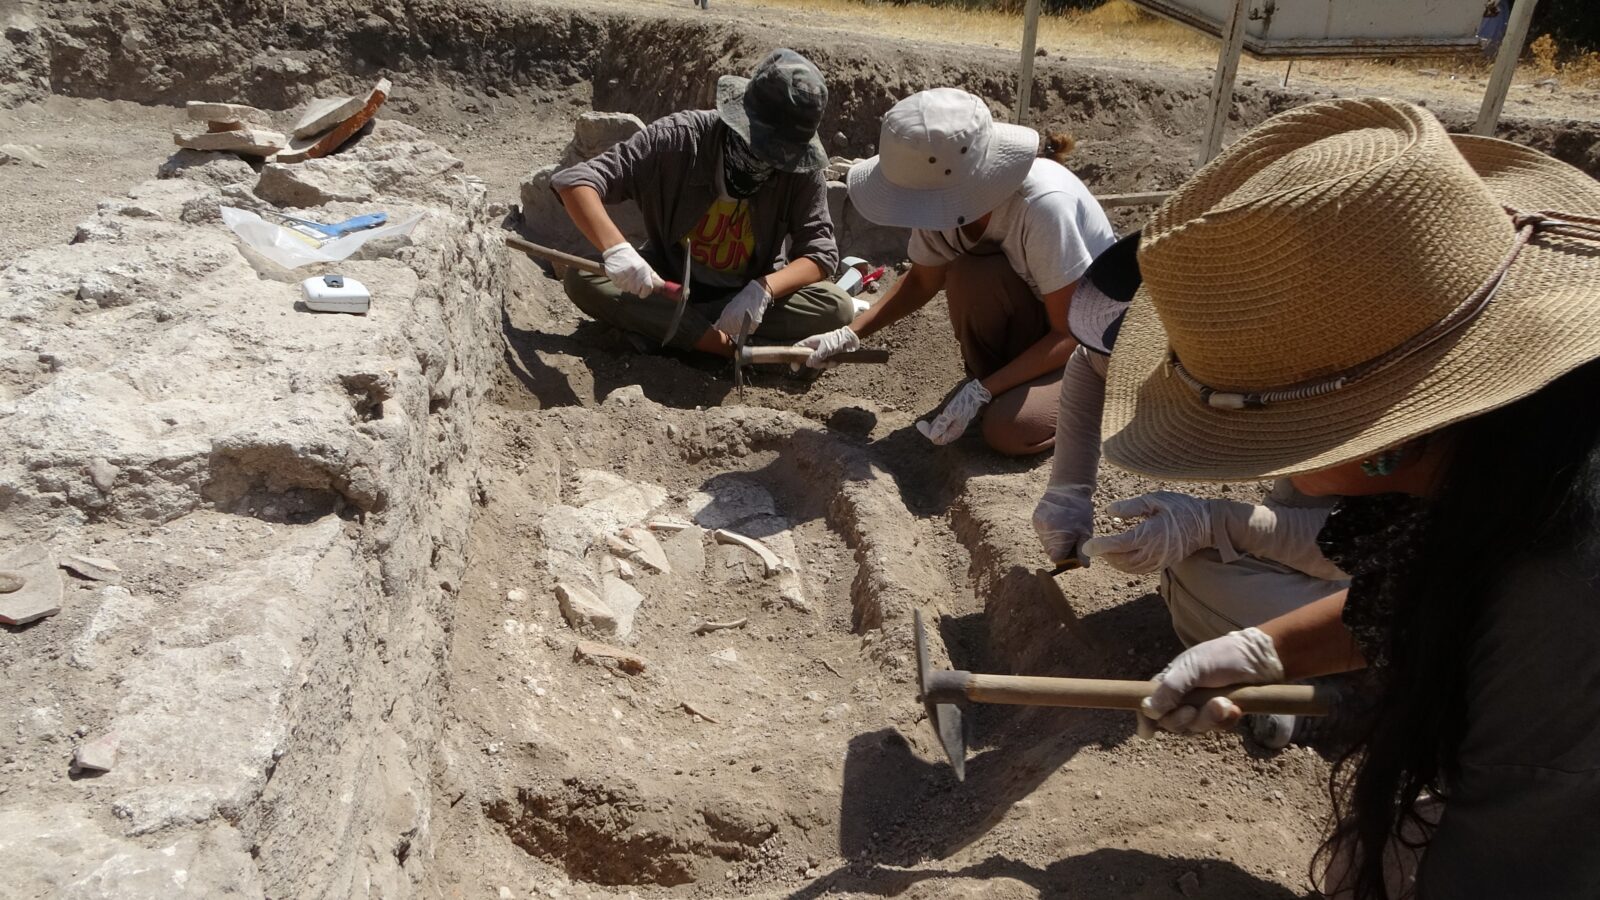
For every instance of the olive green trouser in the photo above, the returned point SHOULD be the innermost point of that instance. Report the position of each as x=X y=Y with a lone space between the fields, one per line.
x=813 y=309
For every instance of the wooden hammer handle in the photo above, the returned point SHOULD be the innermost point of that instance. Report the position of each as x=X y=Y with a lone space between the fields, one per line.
x=1094 y=693
x=767 y=355
x=672 y=290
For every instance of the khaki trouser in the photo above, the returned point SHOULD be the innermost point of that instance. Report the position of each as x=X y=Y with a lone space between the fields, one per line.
x=996 y=316
x=1209 y=598
x=813 y=309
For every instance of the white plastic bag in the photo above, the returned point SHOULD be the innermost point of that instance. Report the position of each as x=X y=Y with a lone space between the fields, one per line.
x=290 y=250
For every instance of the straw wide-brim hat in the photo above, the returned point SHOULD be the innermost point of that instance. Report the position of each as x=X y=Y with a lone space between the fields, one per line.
x=942 y=162
x=1331 y=241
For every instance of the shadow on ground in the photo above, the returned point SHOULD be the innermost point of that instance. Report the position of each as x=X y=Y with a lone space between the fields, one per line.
x=1102 y=873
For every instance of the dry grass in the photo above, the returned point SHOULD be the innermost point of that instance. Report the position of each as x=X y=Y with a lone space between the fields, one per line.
x=1120 y=31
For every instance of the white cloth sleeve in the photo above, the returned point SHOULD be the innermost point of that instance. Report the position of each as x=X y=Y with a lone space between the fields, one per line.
x=1283 y=534
x=1083 y=396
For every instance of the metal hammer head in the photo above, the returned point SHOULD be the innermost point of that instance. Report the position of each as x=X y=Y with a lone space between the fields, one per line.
x=946 y=718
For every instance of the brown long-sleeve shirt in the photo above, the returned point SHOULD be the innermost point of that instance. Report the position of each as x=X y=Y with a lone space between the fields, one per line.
x=669 y=170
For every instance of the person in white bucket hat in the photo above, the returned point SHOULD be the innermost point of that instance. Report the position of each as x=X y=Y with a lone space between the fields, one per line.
x=1005 y=233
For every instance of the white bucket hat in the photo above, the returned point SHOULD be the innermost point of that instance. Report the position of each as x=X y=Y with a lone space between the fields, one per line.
x=942 y=162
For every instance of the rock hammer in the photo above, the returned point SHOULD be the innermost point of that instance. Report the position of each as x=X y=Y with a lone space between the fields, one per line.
x=944 y=692
x=672 y=290
x=789 y=355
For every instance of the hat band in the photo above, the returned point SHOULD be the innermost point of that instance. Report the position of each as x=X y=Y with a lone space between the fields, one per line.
x=1526 y=223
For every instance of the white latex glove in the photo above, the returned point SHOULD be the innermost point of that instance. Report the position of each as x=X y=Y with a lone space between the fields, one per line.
x=957 y=414
x=1175 y=526
x=840 y=340
x=1063 y=519
x=751 y=301
x=1238 y=657
x=628 y=271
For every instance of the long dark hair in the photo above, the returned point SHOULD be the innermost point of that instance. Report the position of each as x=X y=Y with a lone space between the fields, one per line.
x=1535 y=462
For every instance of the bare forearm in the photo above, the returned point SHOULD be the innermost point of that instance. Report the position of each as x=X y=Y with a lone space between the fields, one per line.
x=1046 y=355
x=588 y=212
x=794 y=276
x=1312 y=640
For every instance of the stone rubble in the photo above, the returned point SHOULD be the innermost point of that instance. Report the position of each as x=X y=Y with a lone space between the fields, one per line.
x=40 y=594
x=295 y=499
x=16 y=154
x=93 y=568
x=98 y=755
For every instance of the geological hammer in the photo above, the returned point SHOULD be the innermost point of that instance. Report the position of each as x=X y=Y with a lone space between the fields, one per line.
x=777 y=355
x=943 y=693
x=672 y=290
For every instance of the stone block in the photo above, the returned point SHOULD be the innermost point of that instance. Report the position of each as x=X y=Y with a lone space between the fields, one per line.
x=596 y=132
x=199 y=111
x=857 y=236
x=584 y=611
x=16 y=154
x=98 y=755
x=245 y=141
x=623 y=600
x=94 y=568
x=648 y=550
x=303 y=187
x=40 y=593
x=686 y=549
x=322 y=114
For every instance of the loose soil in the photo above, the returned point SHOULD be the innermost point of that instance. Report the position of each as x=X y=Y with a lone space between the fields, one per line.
x=787 y=757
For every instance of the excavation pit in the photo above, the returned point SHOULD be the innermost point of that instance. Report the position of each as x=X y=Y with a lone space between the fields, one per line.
x=336 y=657
x=713 y=758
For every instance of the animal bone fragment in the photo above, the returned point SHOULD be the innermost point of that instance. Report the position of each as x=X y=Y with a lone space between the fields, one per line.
x=668 y=525
x=691 y=710
x=708 y=627
x=596 y=653
x=769 y=560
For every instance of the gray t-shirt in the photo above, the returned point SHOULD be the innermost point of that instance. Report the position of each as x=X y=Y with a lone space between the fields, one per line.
x=1050 y=230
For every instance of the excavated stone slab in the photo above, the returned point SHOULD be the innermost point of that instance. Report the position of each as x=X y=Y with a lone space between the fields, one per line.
x=323 y=114
x=334 y=138
x=94 y=568
x=585 y=611
x=245 y=141
x=40 y=593
x=201 y=111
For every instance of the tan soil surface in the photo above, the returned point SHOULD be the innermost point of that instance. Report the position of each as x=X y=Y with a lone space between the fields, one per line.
x=800 y=763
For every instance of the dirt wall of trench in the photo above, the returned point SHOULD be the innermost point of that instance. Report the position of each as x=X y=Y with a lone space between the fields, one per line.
x=1137 y=129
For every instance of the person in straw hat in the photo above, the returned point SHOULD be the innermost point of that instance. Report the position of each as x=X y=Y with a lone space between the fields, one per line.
x=1224 y=564
x=1005 y=233
x=738 y=189
x=1353 y=299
